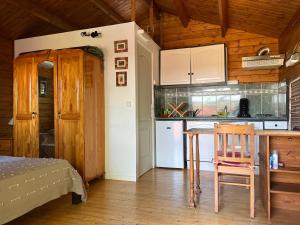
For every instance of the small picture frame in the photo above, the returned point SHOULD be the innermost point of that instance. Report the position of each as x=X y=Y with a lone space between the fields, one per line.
x=121 y=46
x=121 y=79
x=121 y=63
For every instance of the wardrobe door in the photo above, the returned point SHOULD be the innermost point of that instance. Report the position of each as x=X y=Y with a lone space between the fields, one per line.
x=26 y=120
x=70 y=108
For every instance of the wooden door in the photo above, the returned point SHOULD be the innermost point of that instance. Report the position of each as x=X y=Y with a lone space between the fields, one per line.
x=145 y=132
x=26 y=121
x=208 y=64
x=175 y=66
x=70 y=108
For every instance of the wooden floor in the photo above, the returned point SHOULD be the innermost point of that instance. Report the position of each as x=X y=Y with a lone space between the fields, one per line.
x=159 y=197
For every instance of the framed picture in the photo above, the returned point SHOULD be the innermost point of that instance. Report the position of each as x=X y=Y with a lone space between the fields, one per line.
x=121 y=79
x=121 y=46
x=43 y=87
x=121 y=63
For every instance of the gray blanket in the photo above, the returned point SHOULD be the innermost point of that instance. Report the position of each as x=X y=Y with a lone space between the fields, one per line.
x=27 y=183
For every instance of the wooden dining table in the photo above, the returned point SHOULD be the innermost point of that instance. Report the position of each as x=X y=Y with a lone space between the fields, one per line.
x=195 y=186
x=196 y=132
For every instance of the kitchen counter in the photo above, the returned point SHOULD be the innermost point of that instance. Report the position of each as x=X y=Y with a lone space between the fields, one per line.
x=215 y=118
x=273 y=133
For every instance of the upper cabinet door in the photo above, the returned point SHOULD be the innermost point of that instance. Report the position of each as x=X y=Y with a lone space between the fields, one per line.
x=208 y=64
x=175 y=66
x=26 y=120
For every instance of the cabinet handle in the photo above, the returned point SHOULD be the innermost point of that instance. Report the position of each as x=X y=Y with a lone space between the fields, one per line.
x=168 y=128
x=190 y=74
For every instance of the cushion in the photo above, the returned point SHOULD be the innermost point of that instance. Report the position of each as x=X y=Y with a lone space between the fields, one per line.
x=230 y=154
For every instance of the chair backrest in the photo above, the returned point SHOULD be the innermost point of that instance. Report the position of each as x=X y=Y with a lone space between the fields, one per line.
x=234 y=143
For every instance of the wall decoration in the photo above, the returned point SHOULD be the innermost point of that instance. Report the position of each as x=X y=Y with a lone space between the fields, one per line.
x=121 y=46
x=121 y=79
x=121 y=63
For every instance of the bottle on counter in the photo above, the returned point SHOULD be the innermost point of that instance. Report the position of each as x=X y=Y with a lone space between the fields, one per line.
x=274 y=161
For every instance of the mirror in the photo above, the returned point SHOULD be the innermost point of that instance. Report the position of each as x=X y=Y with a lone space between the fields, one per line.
x=46 y=109
x=45 y=72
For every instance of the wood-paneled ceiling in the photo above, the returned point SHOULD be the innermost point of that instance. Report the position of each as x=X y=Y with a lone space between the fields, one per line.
x=27 y=18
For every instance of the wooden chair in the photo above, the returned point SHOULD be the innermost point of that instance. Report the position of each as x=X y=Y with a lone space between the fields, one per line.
x=234 y=156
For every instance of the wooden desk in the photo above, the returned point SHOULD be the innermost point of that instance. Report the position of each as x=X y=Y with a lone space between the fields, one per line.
x=280 y=140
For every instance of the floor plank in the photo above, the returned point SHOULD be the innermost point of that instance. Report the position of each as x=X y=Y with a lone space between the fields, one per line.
x=160 y=197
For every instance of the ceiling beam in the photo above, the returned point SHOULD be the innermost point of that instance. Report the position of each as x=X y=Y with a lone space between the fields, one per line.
x=181 y=11
x=223 y=16
x=293 y=21
x=156 y=11
x=104 y=7
x=133 y=10
x=42 y=14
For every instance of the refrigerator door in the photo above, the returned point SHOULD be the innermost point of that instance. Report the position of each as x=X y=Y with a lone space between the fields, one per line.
x=169 y=144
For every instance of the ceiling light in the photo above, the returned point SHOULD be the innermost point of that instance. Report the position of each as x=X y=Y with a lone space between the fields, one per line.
x=295 y=57
x=144 y=35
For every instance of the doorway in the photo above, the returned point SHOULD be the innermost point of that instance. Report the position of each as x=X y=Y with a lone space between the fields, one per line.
x=144 y=91
x=46 y=109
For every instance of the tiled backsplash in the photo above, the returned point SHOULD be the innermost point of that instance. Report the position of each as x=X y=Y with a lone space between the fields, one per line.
x=265 y=98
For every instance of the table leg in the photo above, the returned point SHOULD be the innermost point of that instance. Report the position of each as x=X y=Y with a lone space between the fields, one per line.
x=197 y=165
x=192 y=201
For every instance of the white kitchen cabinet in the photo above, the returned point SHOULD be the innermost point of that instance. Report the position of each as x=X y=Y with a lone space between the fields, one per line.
x=208 y=64
x=175 y=66
x=198 y=65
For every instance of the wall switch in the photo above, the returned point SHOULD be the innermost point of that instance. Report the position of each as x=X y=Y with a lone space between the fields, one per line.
x=128 y=104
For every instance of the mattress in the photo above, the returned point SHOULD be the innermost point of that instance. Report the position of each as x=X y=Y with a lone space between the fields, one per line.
x=27 y=183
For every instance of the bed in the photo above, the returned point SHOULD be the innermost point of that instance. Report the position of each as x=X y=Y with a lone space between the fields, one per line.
x=27 y=183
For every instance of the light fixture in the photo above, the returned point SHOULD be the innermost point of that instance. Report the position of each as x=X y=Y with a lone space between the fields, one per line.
x=94 y=34
x=144 y=35
x=295 y=57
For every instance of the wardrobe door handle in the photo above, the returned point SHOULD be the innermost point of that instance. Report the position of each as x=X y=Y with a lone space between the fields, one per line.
x=34 y=115
x=59 y=115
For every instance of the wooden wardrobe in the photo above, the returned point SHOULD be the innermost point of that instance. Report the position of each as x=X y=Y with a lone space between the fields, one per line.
x=78 y=108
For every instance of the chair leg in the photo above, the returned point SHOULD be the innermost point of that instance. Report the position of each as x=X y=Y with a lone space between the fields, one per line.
x=216 y=191
x=252 y=196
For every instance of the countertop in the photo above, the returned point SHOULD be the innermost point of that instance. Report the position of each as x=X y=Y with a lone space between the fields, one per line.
x=273 y=133
x=215 y=118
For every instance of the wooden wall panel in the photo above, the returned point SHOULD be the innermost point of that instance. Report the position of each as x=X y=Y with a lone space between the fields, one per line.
x=240 y=43
x=287 y=42
x=6 y=81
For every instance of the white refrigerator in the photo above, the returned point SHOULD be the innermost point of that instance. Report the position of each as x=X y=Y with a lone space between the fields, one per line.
x=169 y=144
